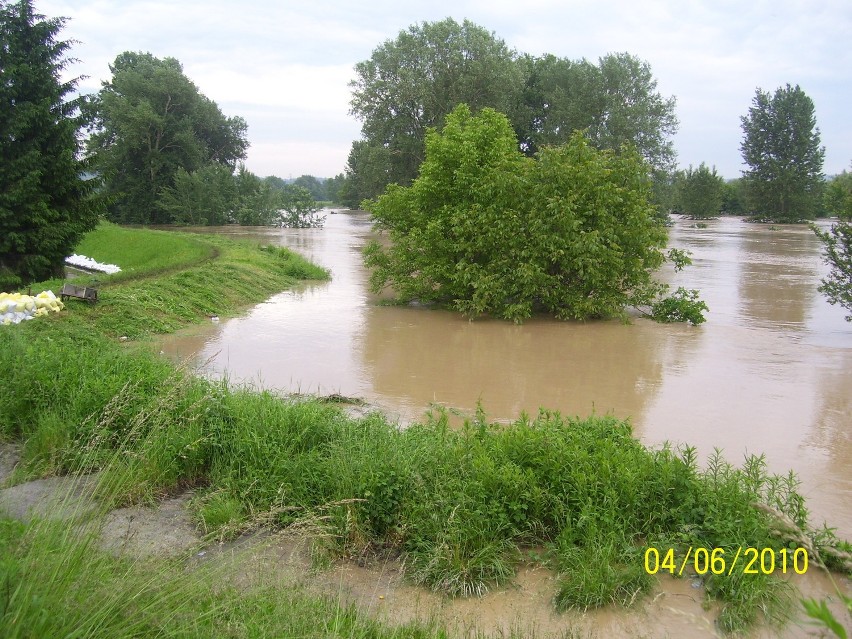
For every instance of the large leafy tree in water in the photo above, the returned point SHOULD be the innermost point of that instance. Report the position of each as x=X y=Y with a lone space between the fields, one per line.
x=44 y=203
x=486 y=229
x=411 y=83
x=151 y=121
x=781 y=146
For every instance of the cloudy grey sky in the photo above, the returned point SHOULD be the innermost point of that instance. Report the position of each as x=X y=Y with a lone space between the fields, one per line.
x=285 y=66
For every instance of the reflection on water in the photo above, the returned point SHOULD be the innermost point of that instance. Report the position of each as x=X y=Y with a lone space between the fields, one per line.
x=770 y=372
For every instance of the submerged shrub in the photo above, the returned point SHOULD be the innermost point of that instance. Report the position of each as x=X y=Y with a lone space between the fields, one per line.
x=486 y=230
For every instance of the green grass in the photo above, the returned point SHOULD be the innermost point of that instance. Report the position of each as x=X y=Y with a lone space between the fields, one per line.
x=57 y=583
x=175 y=279
x=461 y=505
x=143 y=251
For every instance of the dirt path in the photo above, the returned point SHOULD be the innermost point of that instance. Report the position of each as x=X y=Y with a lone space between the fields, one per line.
x=675 y=609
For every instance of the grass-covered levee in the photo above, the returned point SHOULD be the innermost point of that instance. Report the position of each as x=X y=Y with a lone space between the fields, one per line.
x=465 y=506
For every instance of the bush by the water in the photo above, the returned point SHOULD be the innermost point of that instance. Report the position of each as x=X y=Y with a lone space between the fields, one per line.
x=487 y=230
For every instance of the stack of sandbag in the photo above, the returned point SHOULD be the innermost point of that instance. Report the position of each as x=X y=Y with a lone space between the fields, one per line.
x=88 y=264
x=16 y=307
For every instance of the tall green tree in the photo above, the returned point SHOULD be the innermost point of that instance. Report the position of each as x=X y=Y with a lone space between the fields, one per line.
x=615 y=102
x=700 y=192
x=45 y=203
x=486 y=229
x=411 y=83
x=333 y=187
x=781 y=146
x=258 y=199
x=149 y=121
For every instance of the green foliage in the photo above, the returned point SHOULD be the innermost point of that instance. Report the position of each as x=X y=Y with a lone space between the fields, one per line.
x=700 y=192
x=299 y=209
x=204 y=196
x=734 y=197
x=601 y=574
x=257 y=202
x=838 y=196
x=615 y=102
x=818 y=610
x=315 y=186
x=837 y=247
x=45 y=204
x=487 y=230
x=681 y=306
x=781 y=146
x=150 y=121
x=333 y=188
x=410 y=84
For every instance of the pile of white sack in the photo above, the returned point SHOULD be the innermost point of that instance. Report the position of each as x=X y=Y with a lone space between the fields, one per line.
x=15 y=307
x=81 y=261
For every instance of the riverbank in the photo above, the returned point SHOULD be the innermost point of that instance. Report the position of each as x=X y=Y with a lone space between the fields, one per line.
x=467 y=508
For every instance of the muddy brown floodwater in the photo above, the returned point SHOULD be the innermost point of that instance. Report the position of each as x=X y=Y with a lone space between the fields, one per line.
x=770 y=372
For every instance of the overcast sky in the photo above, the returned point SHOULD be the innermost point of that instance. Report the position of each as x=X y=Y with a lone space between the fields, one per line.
x=285 y=66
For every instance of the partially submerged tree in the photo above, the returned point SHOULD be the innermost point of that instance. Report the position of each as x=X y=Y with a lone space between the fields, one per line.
x=487 y=230
x=204 y=197
x=298 y=208
x=781 y=146
x=700 y=192
x=45 y=206
x=837 y=243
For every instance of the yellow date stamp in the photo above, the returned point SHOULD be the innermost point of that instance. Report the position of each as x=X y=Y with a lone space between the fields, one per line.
x=721 y=561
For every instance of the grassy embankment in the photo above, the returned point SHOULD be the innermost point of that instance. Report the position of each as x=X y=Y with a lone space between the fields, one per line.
x=464 y=506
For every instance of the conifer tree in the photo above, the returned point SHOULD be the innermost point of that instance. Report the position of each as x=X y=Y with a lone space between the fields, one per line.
x=44 y=203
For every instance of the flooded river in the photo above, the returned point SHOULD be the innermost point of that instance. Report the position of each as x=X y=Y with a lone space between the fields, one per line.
x=769 y=372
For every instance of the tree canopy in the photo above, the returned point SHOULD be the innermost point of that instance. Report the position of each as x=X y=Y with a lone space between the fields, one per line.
x=700 y=192
x=781 y=146
x=150 y=121
x=615 y=101
x=487 y=230
x=411 y=83
x=45 y=206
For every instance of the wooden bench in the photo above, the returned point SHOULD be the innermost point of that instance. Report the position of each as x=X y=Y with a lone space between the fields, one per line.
x=80 y=292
